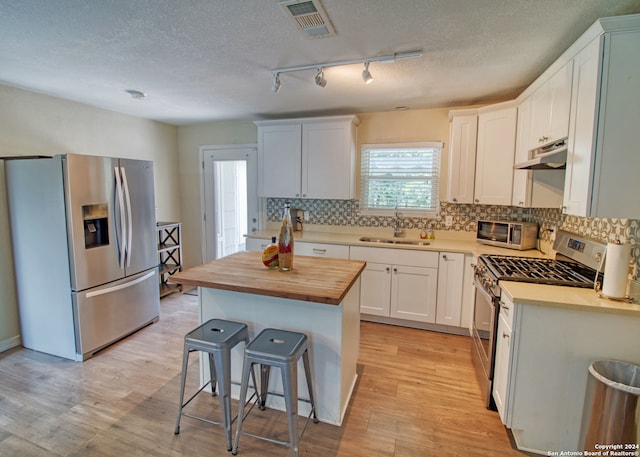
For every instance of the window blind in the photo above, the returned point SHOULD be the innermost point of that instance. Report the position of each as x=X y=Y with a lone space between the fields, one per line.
x=405 y=176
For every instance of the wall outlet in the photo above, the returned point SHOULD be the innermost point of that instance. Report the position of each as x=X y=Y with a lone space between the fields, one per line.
x=305 y=215
x=448 y=221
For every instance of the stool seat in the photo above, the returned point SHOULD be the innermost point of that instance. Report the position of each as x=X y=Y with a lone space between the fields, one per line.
x=277 y=345
x=281 y=349
x=216 y=334
x=216 y=337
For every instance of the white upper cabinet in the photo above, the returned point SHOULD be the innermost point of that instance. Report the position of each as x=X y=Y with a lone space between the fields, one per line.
x=494 y=156
x=482 y=146
x=279 y=160
x=463 y=132
x=521 y=195
x=602 y=160
x=328 y=159
x=550 y=105
x=307 y=158
x=533 y=188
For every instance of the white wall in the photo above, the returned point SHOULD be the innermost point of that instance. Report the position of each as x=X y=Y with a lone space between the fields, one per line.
x=34 y=124
x=384 y=127
x=191 y=137
x=408 y=126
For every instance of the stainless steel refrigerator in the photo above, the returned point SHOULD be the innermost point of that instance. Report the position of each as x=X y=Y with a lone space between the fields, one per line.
x=85 y=251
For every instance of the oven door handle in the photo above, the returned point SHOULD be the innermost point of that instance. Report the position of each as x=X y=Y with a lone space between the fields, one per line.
x=490 y=297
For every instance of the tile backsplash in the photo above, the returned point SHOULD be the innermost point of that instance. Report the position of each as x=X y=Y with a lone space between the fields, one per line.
x=347 y=213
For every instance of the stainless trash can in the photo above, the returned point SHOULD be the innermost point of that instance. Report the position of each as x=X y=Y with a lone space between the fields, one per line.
x=612 y=396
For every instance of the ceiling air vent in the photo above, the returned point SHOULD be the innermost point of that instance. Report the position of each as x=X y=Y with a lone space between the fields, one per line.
x=309 y=16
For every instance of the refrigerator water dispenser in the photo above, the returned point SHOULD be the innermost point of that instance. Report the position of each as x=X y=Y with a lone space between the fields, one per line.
x=96 y=225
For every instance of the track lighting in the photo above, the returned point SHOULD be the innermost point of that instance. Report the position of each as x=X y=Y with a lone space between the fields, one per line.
x=276 y=83
x=366 y=76
x=320 y=81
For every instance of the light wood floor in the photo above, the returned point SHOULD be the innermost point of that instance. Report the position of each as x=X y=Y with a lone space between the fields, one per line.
x=416 y=396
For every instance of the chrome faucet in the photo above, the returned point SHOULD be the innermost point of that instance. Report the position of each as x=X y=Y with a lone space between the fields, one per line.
x=397 y=230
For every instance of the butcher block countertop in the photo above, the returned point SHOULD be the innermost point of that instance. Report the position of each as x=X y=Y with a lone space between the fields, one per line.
x=313 y=279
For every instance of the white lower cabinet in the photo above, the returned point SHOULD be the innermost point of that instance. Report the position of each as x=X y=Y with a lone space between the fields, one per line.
x=375 y=289
x=414 y=293
x=501 y=369
x=504 y=346
x=335 y=251
x=257 y=244
x=543 y=354
x=412 y=285
x=405 y=289
x=450 y=287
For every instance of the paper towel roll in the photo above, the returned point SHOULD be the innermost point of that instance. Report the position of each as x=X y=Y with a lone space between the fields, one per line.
x=616 y=270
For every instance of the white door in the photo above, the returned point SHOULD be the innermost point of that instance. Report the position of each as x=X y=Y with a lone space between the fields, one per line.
x=230 y=198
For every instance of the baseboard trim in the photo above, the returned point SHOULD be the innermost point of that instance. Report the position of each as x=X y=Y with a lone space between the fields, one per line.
x=10 y=343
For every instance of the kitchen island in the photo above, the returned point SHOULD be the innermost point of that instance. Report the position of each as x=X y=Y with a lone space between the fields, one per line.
x=320 y=297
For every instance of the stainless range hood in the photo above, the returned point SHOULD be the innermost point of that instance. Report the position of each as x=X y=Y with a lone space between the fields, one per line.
x=549 y=157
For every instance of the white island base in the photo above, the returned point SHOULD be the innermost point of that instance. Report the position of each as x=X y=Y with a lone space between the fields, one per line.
x=334 y=338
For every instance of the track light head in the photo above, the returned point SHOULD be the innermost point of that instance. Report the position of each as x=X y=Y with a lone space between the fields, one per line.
x=276 y=83
x=366 y=76
x=320 y=81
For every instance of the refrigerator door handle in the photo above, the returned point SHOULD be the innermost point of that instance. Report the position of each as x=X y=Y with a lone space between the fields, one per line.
x=108 y=290
x=129 y=222
x=122 y=240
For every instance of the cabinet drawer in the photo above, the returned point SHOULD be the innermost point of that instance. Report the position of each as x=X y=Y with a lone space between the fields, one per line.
x=257 y=244
x=507 y=309
x=336 y=251
x=428 y=259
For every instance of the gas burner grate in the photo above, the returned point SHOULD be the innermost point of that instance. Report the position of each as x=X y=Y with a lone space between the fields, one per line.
x=540 y=271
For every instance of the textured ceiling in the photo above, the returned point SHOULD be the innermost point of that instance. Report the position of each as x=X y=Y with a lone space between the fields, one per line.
x=203 y=60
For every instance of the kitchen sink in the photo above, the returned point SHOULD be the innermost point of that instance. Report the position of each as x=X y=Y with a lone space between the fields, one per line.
x=370 y=239
x=412 y=242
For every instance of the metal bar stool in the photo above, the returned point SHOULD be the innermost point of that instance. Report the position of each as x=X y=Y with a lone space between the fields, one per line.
x=216 y=337
x=281 y=349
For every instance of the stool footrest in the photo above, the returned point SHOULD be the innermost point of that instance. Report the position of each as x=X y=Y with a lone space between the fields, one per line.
x=253 y=396
x=272 y=440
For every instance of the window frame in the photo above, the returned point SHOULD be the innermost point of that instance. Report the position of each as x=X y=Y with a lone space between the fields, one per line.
x=407 y=212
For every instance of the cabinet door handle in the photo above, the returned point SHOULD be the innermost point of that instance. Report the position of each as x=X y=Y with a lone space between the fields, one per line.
x=395 y=270
x=505 y=335
x=476 y=200
x=444 y=256
x=297 y=195
x=319 y=251
x=503 y=306
x=388 y=269
x=455 y=200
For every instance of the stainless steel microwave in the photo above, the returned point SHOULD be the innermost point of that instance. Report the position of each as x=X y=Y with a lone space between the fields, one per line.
x=506 y=234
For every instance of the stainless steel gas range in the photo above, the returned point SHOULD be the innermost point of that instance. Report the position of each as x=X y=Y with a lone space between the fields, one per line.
x=578 y=260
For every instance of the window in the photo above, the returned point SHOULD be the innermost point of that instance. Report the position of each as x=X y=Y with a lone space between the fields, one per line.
x=405 y=175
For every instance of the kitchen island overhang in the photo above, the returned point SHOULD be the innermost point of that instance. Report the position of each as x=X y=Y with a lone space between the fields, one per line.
x=320 y=297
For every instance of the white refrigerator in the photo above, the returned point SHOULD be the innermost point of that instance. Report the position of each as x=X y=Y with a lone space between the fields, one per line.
x=85 y=251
